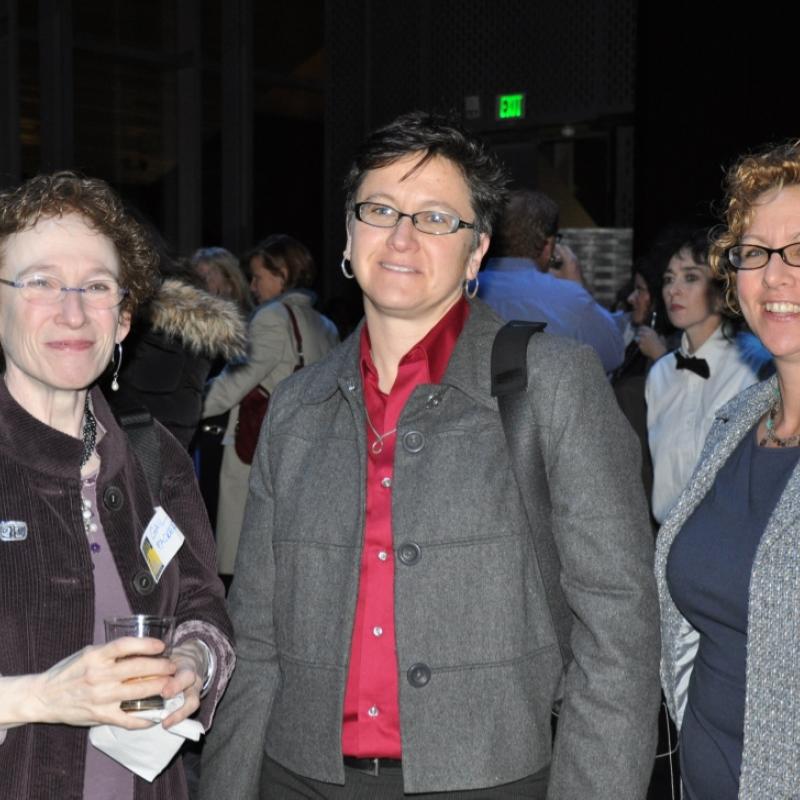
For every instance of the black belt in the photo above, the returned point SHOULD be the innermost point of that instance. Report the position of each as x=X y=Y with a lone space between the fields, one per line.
x=372 y=766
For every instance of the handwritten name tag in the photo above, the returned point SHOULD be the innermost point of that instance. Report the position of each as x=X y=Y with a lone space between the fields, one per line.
x=160 y=541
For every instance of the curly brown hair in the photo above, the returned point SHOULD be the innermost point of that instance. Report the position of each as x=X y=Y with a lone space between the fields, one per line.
x=67 y=192
x=768 y=169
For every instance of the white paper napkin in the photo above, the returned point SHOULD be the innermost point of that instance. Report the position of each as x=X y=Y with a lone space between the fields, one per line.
x=147 y=752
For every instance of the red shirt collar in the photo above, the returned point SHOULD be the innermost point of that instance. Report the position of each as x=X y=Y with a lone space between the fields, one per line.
x=434 y=349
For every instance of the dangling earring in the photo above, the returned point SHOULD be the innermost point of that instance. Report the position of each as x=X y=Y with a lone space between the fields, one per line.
x=348 y=274
x=118 y=359
x=471 y=293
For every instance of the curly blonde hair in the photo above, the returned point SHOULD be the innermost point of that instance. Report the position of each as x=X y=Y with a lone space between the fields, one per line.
x=67 y=192
x=768 y=169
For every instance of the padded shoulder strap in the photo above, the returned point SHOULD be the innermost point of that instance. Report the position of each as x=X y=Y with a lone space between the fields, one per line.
x=141 y=430
x=510 y=387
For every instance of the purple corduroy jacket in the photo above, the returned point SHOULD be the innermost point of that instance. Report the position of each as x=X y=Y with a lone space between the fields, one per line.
x=47 y=590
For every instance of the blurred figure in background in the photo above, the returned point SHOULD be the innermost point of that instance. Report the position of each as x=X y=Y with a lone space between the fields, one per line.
x=532 y=277
x=174 y=339
x=713 y=364
x=223 y=276
x=284 y=333
x=645 y=343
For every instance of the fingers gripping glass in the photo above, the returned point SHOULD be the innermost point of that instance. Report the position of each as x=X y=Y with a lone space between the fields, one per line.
x=437 y=223
x=45 y=290
x=753 y=256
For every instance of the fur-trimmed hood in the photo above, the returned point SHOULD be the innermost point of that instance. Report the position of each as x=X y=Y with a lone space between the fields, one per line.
x=206 y=324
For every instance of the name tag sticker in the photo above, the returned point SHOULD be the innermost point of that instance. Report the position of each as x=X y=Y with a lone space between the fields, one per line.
x=160 y=541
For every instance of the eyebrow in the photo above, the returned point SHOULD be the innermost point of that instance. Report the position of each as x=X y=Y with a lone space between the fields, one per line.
x=385 y=197
x=45 y=266
x=793 y=240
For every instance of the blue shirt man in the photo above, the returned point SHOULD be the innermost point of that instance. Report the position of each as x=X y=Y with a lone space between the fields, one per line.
x=534 y=278
x=516 y=289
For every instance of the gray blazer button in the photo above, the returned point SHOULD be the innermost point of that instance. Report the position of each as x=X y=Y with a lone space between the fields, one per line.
x=143 y=582
x=113 y=499
x=433 y=401
x=413 y=441
x=419 y=675
x=409 y=553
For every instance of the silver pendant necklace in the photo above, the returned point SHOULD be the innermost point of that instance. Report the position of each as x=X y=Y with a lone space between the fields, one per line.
x=377 y=445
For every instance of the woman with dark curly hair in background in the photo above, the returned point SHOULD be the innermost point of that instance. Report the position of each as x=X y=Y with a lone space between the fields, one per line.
x=75 y=502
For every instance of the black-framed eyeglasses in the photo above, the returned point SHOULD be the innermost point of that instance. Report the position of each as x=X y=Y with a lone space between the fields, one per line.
x=754 y=256
x=437 y=223
x=45 y=290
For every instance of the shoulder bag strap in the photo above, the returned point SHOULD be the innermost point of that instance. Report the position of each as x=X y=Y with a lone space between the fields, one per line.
x=298 y=337
x=510 y=387
x=141 y=431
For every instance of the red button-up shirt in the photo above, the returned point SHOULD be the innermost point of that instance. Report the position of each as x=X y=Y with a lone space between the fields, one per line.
x=371 y=724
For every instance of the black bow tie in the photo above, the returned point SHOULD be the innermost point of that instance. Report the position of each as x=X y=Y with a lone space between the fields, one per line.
x=697 y=365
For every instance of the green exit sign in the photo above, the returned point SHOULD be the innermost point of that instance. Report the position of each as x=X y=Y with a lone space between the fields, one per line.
x=510 y=106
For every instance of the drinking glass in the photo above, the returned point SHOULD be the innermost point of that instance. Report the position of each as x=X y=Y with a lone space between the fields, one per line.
x=142 y=625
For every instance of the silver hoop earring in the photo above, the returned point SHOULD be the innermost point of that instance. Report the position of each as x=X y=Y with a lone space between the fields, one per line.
x=117 y=365
x=471 y=293
x=348 y=274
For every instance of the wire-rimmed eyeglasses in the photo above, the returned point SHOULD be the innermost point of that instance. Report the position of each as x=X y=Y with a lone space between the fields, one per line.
x=754 y=256
x=45 y=290
x=437 y=223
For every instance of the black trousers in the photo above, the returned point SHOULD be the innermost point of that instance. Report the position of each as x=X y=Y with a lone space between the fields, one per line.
x=277 y=782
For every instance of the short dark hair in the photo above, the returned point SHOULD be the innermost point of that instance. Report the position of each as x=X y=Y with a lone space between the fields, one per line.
x=433 y=135
x=67 y=192
x=529 y=219
x=286 y=257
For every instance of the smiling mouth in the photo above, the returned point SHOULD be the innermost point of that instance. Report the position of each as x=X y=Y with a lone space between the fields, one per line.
x=782 y=308
x=397 y=268
x=71 y=344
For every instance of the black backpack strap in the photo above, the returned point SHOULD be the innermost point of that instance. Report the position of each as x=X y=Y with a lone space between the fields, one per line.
x=510 y=387
x=141 y=430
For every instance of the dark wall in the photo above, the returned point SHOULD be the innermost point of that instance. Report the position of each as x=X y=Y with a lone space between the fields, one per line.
x=710 y=88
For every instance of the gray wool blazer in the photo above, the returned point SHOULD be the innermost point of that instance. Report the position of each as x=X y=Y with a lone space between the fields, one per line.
x=469 y=602
x=771 y=756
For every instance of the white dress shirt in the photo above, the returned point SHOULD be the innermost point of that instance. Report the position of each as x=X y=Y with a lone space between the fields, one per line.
x=681 y=407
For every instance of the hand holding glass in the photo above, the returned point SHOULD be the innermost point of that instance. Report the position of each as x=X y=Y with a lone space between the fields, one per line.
x=139 y=626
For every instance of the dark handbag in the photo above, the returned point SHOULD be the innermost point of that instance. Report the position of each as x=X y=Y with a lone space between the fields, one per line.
x=255 y=403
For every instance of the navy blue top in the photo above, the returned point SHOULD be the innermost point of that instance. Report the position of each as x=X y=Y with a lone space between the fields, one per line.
x=708 y=574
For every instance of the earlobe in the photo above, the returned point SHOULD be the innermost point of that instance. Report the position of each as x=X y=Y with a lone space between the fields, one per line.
x=123 y=326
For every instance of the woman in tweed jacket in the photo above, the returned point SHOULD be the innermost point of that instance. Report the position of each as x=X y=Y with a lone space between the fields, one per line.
x=728 y=555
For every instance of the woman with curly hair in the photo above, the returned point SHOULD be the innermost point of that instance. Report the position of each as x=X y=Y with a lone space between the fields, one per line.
x=727 y=554
x=75 y=503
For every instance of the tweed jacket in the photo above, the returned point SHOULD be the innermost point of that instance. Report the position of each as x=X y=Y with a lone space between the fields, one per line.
x=771 y=756
x=470 y=611
x=47 y=589
x=272 y=357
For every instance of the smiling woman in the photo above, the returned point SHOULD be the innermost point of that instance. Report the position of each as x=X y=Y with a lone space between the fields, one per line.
x=73 y=266
x=726 y=559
